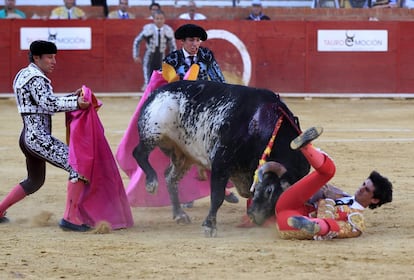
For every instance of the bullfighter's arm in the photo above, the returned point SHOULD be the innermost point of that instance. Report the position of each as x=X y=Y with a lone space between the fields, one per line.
x=328 y=191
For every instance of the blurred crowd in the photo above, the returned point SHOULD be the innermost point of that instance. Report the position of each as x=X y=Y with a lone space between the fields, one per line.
x=69 y=9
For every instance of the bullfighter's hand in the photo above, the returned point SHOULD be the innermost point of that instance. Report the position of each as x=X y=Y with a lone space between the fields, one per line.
x=82 y=103
x=79 y=92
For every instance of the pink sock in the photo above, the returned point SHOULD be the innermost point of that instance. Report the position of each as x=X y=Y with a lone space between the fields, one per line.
x=74 y=193
x=315 y=157
x=14 y=196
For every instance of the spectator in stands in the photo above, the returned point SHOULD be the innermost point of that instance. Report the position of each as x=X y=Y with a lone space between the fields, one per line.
x=385 y=3
x=407 y=4
x=10 y=10
x=158 y=36
x=360 y=3
x=68 y=11
x=256 y=12
x=101 y=3
x=153 y=8
x=122 y=12
x=191 y=13
x=326 y=4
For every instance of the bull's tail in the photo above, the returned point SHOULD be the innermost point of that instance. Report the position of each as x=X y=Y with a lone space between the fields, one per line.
x=289 y=116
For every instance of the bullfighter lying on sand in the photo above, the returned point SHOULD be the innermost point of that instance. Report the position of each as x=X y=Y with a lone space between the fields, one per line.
x=310 y=209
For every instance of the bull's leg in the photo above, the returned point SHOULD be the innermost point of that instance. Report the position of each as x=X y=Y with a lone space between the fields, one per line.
x=218 y=186
x=173 y=174
x=141 y=154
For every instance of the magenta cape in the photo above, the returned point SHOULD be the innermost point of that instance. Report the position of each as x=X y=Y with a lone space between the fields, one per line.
x=190 y=188
x=104 y=199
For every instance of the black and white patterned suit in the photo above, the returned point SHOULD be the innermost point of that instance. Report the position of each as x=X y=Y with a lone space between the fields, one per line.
x=157 y=40
x=36 y=103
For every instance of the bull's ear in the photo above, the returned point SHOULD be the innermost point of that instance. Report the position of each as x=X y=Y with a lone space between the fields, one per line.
x=192 y=73
x=168 y=73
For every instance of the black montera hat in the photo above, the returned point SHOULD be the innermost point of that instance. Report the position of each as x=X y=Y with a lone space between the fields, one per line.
x=190 y=30
x=40 y=47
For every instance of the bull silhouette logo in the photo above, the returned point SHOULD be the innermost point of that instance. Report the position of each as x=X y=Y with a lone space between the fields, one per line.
x=52 y=35
x=349 y=40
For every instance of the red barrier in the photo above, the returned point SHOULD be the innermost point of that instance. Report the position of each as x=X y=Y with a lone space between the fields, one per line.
x=278 y=55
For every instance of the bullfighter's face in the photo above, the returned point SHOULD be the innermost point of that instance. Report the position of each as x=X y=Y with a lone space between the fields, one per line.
x=364 y=195
x=159 y=20
x=191 y=45
x=46 y=62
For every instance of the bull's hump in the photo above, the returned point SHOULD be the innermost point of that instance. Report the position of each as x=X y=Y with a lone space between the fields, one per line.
x=192 y=126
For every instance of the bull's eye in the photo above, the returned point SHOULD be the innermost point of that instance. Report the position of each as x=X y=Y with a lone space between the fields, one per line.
x=269 y=191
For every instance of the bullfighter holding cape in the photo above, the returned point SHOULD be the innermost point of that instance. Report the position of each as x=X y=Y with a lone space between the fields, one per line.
x=92 y=196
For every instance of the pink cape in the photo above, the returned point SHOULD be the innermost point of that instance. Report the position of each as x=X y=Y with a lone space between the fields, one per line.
x=104 y=199
x=190 y=188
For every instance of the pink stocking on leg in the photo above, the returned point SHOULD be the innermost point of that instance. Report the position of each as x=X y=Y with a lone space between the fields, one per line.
x=14 y=196
x=72 y=213
x=315 y=157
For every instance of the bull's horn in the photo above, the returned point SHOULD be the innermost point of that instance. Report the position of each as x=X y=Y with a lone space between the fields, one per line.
x=253 y=187
x=271 y=166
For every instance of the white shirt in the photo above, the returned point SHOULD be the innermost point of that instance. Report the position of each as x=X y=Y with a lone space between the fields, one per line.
x=354 y=205
x=197 y=16
x=408 y=4
x=187 y=57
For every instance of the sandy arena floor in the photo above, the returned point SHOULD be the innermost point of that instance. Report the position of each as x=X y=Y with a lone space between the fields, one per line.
x=361 y=135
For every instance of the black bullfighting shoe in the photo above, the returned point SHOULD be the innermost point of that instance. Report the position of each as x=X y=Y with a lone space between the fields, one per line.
x=231 y=198
x=68 y=226
x=4 y=219
x=306 y=137
x=304 y=224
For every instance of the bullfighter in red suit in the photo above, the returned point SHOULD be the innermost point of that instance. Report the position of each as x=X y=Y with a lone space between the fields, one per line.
x=313 y=209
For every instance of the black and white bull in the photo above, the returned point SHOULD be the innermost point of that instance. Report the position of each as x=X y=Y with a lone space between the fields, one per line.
x=224 y=128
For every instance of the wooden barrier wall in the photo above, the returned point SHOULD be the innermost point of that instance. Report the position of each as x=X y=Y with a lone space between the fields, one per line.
x=283 y=56
x=235 y=13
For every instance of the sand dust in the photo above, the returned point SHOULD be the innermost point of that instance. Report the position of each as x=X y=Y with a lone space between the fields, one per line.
x=361 y=135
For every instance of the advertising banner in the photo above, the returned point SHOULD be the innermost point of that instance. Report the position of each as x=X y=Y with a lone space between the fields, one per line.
x=65 y=38
x=353 y=40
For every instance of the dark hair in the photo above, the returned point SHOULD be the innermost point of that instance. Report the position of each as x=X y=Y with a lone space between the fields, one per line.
x=154 y=4
x=30 y=55
x=383 y=189
x=40 y=47
x=159 y=12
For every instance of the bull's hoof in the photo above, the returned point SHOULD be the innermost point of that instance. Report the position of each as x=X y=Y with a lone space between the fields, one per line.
x=210 y=228
x=210 y=232
x=151 y=187
x=182 y=218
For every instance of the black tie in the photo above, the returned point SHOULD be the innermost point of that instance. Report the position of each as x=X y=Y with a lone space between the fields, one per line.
x=191 y=57
x=159 y=37
x=340 y=202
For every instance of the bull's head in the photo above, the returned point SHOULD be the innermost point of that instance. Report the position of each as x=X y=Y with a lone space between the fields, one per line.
x=266 y=191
